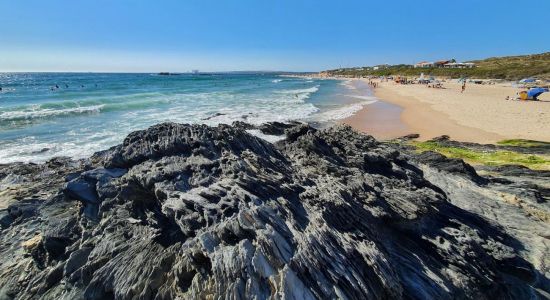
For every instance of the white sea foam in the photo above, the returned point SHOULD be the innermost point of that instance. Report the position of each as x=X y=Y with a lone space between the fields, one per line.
x=36 y=112
x=310 y=90
x=267 y=137
x=348 y=84
x=31 y=149
x=276 y=80
x=342 y=112
x=258 y=115
x=368 y=98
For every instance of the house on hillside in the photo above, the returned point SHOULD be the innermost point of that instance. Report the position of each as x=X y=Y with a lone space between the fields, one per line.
x=451 y=64
x=455 y=65
x=424 y=64
x=441 y=63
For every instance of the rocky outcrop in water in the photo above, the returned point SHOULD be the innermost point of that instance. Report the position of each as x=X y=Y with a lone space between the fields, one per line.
x=195 y=212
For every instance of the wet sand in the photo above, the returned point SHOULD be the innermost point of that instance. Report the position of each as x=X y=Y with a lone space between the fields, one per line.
x=380 y=119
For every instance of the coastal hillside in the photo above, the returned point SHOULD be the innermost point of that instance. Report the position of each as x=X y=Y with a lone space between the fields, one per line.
x=507 y=67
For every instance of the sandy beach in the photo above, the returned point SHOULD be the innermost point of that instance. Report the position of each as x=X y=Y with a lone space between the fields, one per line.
x=480 y=114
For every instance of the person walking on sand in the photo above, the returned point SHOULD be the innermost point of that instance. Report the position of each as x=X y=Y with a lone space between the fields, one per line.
x=463 y=86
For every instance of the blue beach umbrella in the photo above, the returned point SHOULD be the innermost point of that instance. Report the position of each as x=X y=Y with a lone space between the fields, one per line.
x=527 y=80
x=535 y=92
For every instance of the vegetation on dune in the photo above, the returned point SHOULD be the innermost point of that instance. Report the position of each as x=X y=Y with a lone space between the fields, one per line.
x=509 y=67
x=490 y=158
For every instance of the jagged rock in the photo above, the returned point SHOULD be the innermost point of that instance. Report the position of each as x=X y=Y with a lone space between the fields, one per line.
x=32 y=243
x=195 y=212
x=450 y=165
x=409 y=137
x=442 y=138
x=91 y=187
x=277 y=128
x=243 y=125
x=518 y=170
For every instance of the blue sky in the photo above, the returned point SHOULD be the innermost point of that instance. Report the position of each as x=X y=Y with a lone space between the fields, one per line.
x=293 y=35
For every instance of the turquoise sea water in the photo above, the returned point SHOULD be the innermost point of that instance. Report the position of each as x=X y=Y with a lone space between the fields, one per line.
x=43 y=115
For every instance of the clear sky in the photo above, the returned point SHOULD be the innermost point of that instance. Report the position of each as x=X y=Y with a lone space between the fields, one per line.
x=292 y=35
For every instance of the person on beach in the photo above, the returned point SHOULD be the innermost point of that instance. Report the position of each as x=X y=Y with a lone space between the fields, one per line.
x=463 y=86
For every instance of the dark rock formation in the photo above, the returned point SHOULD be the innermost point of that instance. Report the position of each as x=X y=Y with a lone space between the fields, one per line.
x=190 y=211
x=450 y=165
x=277 y=128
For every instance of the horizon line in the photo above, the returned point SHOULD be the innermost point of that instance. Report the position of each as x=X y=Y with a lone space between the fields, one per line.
x=157 y=72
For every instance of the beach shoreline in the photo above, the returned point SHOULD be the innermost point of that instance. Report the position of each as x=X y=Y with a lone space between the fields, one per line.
x=480 y=115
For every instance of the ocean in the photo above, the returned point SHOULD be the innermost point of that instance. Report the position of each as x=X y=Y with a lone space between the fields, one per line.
x=43 y=115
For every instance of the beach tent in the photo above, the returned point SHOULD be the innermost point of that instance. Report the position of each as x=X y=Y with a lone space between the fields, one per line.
x=527 y=80
x=535 y=92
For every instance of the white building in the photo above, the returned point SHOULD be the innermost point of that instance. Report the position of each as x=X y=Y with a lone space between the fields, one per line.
x=459 y=65
x=424 y=64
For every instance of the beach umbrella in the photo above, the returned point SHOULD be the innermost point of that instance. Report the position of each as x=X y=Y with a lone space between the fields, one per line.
x=535 y=92
x=527 y=80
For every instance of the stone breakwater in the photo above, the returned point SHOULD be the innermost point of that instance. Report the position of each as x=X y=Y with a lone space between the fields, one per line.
x=198 y=212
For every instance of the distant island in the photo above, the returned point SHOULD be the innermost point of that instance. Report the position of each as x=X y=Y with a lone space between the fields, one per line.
x=507 y=67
